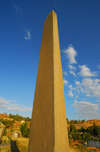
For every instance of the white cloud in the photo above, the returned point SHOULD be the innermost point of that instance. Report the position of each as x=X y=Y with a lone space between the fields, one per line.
x=77 y=82
x=71 y=53
x=88 y=95
x=13 y=100
x=85 y=72
x=65 y=82
x=76 y=96
x=28 y=35
x=13 y=107
x=15 y=7
x=18 y=10
x=72 y=67
x=91 y=87
x=98 y=100
x=70 y=86
x=64 y=73
x=72 y=72
x=3 y=101
x=26 y=115
x=70 y=93
x=98 y=66
x=87 y=109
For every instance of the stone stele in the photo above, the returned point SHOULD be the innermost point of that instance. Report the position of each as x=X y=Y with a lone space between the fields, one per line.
x=1 y=132
x=48 y=132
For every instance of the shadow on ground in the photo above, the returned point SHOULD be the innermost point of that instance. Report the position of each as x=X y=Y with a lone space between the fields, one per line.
x=14 y=147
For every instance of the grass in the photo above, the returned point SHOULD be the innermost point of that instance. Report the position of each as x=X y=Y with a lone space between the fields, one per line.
x=22 y=146
x=5 y=150
x=80 y=148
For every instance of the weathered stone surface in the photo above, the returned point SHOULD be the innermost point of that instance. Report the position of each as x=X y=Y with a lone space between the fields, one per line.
x=1 y=132
x=48 y=131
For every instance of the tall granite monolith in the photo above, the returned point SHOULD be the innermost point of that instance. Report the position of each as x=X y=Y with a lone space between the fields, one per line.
x=48 y=132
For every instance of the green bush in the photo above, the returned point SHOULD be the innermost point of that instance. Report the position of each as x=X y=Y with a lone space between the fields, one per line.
x=7 y=123
x=69 y=141
x=79 y=146
x=82 y=129
x=86 y=136
x=5 y=132
x=83 y=121
x=72 y=128
x=94 y=130
x=25 y=130
x=18 y=117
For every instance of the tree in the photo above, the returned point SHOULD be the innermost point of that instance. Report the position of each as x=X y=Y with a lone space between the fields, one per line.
x=27 y=119
x=94 y=130
x=82 y=129
x=66 y=119
x=5 y=132
x=18 y=117
x=72 y=128
x=7 y=123
x=25 y=130
x=83 y=121
x=86 y=136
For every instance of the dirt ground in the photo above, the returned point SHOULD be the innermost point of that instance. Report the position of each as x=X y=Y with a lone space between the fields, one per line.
x=73 y=150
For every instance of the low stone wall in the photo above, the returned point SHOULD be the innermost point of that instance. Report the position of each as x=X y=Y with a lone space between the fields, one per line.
x=5 y=146
x=93 y=144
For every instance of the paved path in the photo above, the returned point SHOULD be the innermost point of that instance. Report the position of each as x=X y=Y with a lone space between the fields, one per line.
x=5 y=145
x=8 y=145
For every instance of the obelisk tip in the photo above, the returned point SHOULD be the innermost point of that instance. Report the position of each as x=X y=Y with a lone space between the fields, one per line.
x=53 y=12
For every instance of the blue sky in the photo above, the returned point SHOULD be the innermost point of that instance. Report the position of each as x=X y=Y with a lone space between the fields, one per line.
x=20 y=41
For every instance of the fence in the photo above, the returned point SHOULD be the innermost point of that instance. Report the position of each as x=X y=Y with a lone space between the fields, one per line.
x=93 y=144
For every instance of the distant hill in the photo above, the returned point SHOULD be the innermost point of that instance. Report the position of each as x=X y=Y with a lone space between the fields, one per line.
x=5 y=117
x=86 y=124
x=78 y=125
